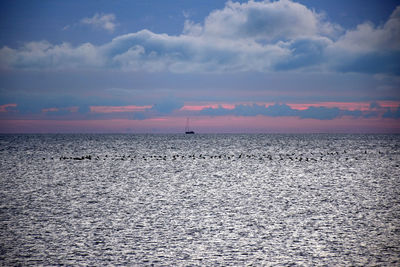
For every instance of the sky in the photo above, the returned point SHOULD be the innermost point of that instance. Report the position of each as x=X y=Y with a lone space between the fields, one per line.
x=144 y=66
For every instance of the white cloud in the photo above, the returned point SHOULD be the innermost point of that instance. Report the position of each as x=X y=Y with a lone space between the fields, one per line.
x=186 y=14
x=43 y=55
x=103 y=21
x=368 y=48
x=254 y=36
x=263 y=21
x=191 y=28
x=189 y=53
x=367 y=38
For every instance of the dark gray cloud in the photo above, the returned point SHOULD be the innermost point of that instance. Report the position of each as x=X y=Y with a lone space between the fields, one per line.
x=305 y=52
x=371 y=62
x=392 y=114
x=140 y=116
x=162 y=107
x=35 y=103
x=167 y=105
x=374 y=105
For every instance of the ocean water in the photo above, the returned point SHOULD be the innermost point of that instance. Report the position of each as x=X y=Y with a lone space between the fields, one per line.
x=207 y=200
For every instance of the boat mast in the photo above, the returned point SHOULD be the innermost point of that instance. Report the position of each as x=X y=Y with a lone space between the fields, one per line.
x=187 y=128
x=187 y=125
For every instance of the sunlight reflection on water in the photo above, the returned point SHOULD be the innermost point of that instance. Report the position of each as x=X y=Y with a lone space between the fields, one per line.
x=200 y=200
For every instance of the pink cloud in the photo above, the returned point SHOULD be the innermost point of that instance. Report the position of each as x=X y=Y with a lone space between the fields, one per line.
x=192 y=107
x=4 y=108
x=45 y=110
x=112 y=109
x=362 y=106
x=389 y=104
x=54 y=109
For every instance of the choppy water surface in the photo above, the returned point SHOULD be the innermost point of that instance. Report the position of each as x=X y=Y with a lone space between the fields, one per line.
x=200 y=200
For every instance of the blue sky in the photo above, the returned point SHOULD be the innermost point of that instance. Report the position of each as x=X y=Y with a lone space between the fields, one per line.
x=140 y=62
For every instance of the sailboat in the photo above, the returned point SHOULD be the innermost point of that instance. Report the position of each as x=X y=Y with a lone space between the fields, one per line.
x=187 y=129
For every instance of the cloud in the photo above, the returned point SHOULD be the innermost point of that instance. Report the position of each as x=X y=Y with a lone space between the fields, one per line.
x=186 y=14
x=369 y=49
x=60 y=111
x=158 y=52
x=43 y=55
x=8 y=107
x=392 y=114
x=283 y=110
x=241 y=37
x=305 y=52
x=162 y=107
x=66 y=27
x=266 y=21
x=31 y=103
x=101 y=21
x=167 y=105
x=320 y=113
x=276 y=110
x=374 y=105
x=38 y=106
x=368 y=38
x=117 y=109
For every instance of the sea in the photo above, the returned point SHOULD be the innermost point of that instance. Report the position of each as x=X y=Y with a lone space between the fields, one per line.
x=200 y=200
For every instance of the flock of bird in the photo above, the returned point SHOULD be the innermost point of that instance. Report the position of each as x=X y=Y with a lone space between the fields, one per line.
x=242 y=156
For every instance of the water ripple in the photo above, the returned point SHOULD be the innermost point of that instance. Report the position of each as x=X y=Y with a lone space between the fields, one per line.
x=199 y=200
